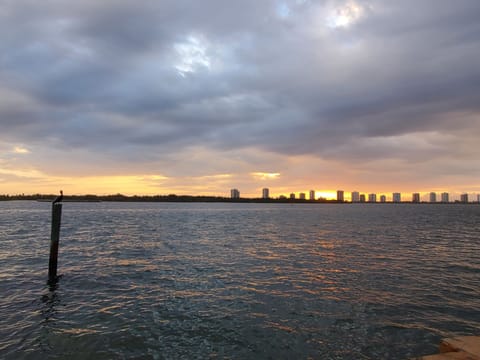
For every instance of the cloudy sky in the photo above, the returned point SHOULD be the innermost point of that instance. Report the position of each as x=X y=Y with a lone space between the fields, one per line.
x=198 y=97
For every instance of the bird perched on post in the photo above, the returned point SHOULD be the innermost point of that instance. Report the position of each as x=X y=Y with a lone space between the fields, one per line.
x=58 y=198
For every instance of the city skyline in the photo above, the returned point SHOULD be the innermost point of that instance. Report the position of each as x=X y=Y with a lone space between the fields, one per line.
x=266 y=193
x=356 y=196
x=194 y=98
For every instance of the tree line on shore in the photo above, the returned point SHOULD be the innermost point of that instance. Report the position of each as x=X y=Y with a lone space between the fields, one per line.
x=154 y=198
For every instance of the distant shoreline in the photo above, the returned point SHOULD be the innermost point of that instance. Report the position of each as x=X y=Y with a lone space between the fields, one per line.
x=198 y=199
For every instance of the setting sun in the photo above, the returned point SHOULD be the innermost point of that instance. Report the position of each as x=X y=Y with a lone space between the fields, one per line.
x=329 y=195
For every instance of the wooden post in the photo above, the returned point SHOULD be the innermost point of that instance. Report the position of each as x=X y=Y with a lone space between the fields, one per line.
x=54 y=239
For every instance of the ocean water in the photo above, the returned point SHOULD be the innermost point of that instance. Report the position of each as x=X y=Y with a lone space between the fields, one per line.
x=238 y=281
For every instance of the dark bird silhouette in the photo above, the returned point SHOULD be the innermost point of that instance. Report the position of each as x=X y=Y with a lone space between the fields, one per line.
x=58 y=198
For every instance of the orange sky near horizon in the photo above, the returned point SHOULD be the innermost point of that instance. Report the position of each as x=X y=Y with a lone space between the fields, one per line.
x=250 y=185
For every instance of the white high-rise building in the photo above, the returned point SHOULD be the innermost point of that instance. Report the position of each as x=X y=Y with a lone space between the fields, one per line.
x=234 y=194
x=445 y=197
x=396 y=197
x=340 y=196
x=265 y=193
x=383 y=198
x=433 y=197
x=355 y=196
x=312 y=195
x=301 y=196
x=372 y=198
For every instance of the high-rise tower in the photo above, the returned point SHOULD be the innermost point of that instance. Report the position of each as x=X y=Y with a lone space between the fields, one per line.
x=340 y=196
x=265 y=193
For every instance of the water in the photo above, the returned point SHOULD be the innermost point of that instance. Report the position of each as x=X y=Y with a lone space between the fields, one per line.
x=238 y=281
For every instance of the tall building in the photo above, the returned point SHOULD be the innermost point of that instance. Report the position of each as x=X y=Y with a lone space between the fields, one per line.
x=292 y=196
x=383 y=198
x=433 y=197
x=312 y=195
x=301 y=196
x=478 y=199
x=362 y=198
x=265 y=193
x=396 y=197
x=444 y=197
x=340 y=196
x=416 y=197
x=355 y=196
x=464 y=198
x=372 y=198
x=234 y=194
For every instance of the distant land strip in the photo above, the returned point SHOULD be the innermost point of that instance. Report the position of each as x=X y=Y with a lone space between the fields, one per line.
x=157 y=198
x=185 y=198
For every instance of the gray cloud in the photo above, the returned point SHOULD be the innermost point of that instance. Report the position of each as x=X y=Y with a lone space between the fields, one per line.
x=117 y=77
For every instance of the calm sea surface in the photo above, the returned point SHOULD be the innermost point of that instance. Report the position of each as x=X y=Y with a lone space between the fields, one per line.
x=238 y=281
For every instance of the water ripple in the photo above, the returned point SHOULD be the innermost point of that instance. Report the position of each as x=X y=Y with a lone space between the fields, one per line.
x=186 y=281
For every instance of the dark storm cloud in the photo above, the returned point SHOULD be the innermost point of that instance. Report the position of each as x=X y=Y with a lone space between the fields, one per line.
x=228 y=74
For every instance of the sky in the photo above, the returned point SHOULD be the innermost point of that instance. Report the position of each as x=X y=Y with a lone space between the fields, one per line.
x=198 y=97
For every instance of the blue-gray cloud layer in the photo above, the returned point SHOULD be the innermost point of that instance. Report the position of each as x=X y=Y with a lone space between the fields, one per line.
x=155 y=77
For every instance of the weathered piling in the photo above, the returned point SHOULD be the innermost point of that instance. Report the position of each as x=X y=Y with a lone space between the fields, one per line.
x=54 y=240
